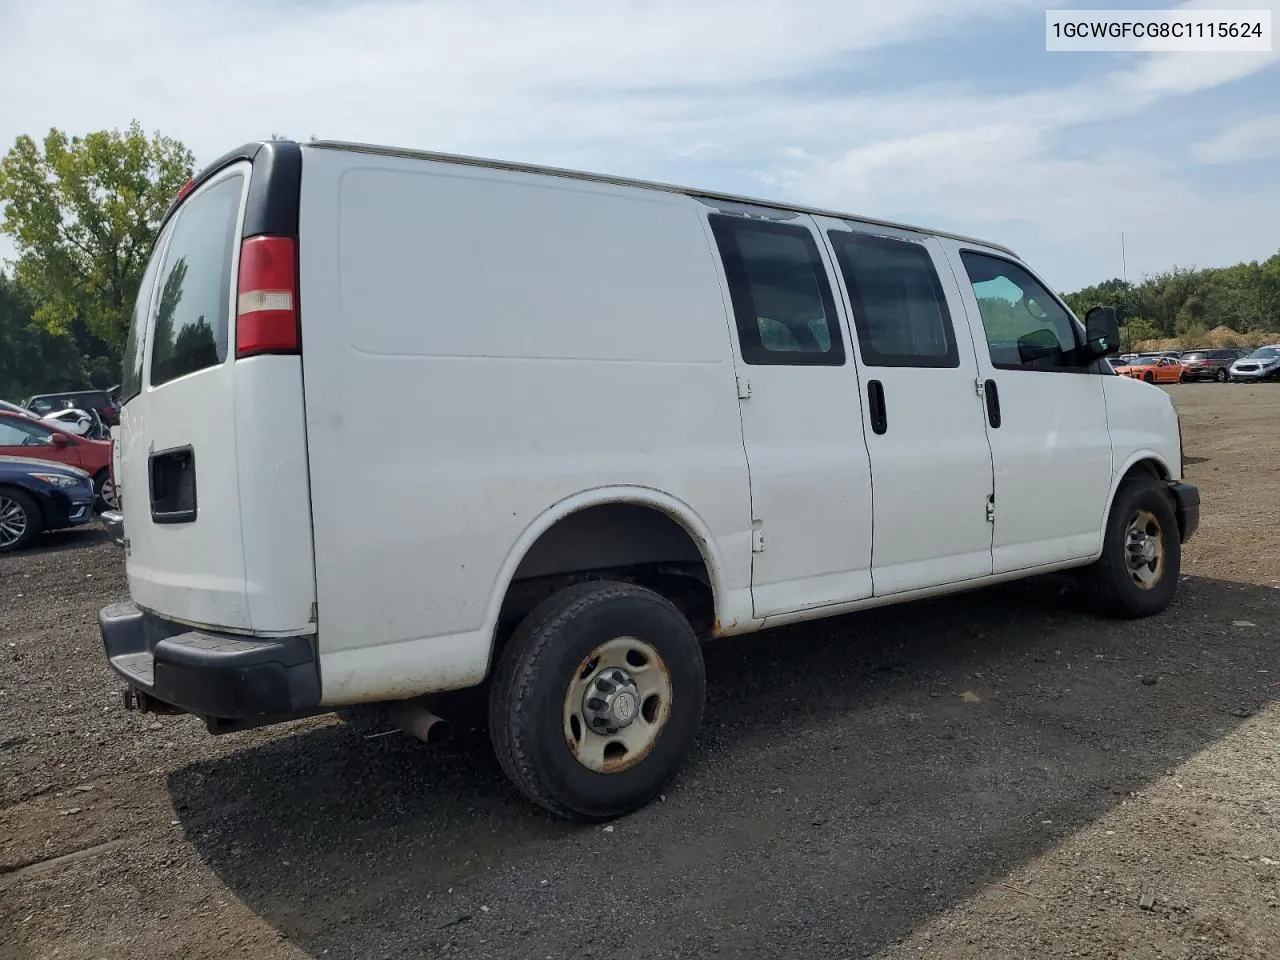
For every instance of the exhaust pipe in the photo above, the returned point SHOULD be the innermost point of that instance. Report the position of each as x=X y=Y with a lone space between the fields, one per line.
x=417 y=721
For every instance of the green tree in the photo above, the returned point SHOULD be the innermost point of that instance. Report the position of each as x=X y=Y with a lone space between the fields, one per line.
x=83 y=213
x=1110 y=293
x=1137 y=330
x=32 y=360
x=1191 y=304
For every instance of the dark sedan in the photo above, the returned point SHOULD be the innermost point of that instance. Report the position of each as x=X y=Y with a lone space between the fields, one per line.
x=37 y=495
x=1209 y=364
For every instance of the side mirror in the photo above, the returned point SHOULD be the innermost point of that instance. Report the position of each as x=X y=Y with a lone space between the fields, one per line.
x=1102 y=332
x=60 y=440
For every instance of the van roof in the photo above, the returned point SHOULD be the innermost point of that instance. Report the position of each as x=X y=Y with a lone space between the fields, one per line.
x=644 y=184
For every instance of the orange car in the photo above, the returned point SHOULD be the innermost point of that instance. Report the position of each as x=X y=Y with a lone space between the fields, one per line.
x=1152 y=369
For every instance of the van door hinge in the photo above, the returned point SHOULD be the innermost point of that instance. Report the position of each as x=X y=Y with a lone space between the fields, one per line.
x=980 y=386
x=991 y=509
x=757 y=537
x=744 y=388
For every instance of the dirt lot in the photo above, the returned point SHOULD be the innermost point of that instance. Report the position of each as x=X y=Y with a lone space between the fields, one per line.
x=996 y=775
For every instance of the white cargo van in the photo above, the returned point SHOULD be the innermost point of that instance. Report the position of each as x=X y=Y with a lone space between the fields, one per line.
x=641 y=417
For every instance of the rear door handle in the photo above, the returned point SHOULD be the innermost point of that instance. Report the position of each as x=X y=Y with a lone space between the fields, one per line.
x=173 y=486
x=993 y=403
x=875 y=400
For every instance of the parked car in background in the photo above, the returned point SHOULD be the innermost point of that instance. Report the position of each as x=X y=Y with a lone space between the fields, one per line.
x=1152 y=369
x=83 y=423
x=38 y=495
x=1262 y=364
x=7 y=407
x=106 y=403
x=1209 y=364
x=21 y=436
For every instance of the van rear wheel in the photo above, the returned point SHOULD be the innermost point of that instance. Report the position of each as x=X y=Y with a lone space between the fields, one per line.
x=1137 y=574
x=597 y=699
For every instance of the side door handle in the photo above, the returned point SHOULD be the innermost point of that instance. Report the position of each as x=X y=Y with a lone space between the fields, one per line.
x=993 y=403
x=875 y=400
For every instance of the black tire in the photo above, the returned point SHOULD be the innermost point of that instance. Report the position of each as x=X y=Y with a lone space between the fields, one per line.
x=1149 y=378
x=1221 y=375
x=16 y=500
x=1110 y=584
x=527 y=700
x=101 y=481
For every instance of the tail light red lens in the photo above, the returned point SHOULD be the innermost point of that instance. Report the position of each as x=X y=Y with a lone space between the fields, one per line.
x=267 y=301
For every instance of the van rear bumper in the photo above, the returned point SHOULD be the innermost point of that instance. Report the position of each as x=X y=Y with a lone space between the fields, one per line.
x=211 y=675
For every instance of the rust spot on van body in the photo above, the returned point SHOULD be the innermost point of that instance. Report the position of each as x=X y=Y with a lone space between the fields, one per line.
x=719 y=630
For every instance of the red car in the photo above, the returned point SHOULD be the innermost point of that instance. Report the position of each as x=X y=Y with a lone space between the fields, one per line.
x=21 y=436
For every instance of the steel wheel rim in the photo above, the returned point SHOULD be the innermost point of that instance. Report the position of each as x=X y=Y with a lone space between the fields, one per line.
x=636 y=682
x=1222 y=376
x=1144 y=549
x=13 y=522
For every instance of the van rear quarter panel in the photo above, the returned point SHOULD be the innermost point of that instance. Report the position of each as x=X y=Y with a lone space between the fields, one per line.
x=480 y=346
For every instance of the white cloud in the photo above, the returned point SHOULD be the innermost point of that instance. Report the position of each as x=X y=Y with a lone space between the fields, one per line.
x=1255 y=139
x=708 y=87
x=996 y=166
x=457 y=74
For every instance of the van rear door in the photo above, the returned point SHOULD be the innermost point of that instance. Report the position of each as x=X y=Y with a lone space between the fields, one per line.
x=212 y=445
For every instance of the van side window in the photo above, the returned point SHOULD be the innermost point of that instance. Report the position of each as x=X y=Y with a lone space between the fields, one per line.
x=781 y=295
x=1026 y=327
x=193 y=300
x=899 y=307
x=135 y=344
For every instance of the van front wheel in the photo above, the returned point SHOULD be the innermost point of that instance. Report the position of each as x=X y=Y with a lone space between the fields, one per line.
x=597 y=699
x=1137 y=574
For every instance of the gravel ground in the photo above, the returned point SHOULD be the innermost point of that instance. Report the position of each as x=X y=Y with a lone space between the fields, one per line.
x=995 y=775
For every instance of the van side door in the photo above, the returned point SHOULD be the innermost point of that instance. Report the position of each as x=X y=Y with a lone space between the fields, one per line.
x=1050 y=442
x=930 y=459
x=801 y=416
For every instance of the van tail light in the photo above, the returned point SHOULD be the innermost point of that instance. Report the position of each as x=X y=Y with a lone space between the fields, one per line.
x=267 y=297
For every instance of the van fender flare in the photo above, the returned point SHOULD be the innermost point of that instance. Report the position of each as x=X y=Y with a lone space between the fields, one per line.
x=1138 y=456
x=672 y=507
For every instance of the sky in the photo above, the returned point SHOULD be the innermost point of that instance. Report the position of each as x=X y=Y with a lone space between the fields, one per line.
x=944 y=113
